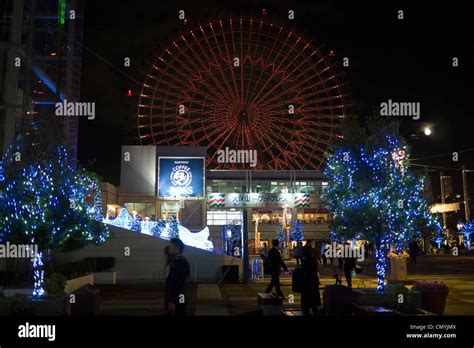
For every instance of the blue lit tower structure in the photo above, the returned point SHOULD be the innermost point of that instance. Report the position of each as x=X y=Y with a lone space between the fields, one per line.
x=40 y=65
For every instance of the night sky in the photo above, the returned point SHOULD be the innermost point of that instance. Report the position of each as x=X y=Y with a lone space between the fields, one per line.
x=406 y=60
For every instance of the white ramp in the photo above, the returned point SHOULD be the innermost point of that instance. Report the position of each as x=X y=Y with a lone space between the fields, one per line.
x=140 y=257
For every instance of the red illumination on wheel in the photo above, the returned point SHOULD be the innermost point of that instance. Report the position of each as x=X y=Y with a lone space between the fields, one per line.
x=282 y=99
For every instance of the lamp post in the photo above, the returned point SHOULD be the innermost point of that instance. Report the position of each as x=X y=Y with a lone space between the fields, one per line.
x=286 y=230
x=465 y=192
x=441 y=178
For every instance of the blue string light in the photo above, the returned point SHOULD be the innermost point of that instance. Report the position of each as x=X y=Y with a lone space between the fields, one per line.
x=467 y=229
x=49 y=202
x=373 y=194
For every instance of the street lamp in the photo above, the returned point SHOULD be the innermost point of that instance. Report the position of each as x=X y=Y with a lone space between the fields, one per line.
x=427 y=131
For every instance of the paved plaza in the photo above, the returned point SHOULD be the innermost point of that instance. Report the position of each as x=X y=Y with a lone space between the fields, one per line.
x=240 y=299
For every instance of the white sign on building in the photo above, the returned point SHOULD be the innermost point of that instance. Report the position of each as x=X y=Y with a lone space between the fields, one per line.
x=258 y=200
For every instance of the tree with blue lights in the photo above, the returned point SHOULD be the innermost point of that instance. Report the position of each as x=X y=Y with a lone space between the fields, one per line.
x=296 y=234
x=232 y=237
x=467 y=229
x=374 y=194
x=281 y=236
x=44 y=200
x=173 y=227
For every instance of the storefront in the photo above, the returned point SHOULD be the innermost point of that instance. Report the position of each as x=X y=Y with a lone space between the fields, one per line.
x=165 y=182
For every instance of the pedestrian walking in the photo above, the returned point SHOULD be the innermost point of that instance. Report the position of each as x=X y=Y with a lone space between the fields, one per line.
x=413 y=251
x=349 y=267
x=175 y=286
x=168 y=258
x=323 y=252
x=275 y=264
x=264 y=257
x=264 y=251
x=297 y=251
x=337 y=265
x=310 y=297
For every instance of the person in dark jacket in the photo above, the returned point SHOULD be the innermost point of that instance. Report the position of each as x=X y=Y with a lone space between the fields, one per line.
x=349 y=266
x=413 y=250
x=175 y=286
x=297 y=252
x=275 y=264
x=310 y=297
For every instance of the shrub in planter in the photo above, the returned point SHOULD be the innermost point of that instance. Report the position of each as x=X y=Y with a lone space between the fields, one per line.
x=18 y=305
x=433 y=296
x=54 y=284
x=54 y=302
x=401 y=299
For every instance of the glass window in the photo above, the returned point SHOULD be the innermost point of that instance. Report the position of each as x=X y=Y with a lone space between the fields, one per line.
x=224 y=217
x=264 y=216
x=141 y=209
x=168 y=210
x=275 y=189
x=150 y=210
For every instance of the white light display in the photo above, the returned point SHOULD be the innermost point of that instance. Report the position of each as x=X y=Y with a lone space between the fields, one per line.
x=194 y=239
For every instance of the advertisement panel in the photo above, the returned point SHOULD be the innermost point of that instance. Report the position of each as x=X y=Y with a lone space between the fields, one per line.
x=181 y=177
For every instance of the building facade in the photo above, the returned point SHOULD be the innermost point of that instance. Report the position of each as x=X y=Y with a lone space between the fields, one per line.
x=40 y=65
x=160 y=182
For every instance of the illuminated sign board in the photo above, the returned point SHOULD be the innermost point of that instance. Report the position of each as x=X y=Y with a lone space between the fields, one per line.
x=258 y=200
x=444 y=208
x=181 y=177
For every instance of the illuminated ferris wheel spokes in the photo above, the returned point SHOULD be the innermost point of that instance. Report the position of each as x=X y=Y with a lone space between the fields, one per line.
x=244 y=84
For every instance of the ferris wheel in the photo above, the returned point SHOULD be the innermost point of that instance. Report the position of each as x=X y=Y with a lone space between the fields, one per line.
x=244 y=84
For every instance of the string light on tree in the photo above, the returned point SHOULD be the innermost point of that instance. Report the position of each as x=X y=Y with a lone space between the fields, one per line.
x=48 y=202
x=297 y=233
x=373 y=194
x=466 y=229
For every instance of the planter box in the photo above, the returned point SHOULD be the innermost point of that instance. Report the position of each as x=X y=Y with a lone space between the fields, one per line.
x=13 y=292
x=105 y=278
x=373 y=310
x=398 y=269
x=370 y=297
x=76 y=283
x=338 y=299
x=87 y=301
x=4 y=306
x=51 y=305
x=48 y=305
x=434 y=301
x=270 y=304
x=419 y=313
x=293 y=312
